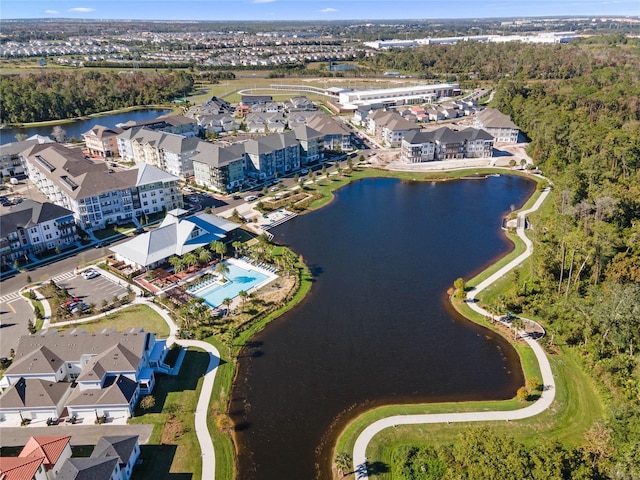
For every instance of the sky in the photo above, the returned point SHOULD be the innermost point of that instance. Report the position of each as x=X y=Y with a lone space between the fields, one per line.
x=310 y=9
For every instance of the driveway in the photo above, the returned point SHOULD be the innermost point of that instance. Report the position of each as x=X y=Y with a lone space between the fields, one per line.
x=80 y=434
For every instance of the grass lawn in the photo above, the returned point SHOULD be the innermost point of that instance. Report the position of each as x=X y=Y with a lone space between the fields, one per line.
x=173 y=449
x=112 y=230
x=134 y=316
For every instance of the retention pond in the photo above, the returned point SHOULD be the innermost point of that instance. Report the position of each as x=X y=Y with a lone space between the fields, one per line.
x=376 y=328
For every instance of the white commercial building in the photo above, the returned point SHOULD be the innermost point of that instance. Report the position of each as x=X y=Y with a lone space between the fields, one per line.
x=398 y=96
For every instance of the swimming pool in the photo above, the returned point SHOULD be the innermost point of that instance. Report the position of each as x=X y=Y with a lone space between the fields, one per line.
x=239 y=279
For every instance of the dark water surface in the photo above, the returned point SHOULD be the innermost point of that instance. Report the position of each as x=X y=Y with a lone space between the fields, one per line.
x=375 y=328
x=78 y=127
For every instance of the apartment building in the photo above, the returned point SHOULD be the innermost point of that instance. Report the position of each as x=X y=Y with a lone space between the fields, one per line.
x=445 y=144
x=101 y=141
x=33 y=227
x=10 y=160
x=227 y=168
x=96 y=194
x=389 y=127
x=167 y=151
x=498 y=125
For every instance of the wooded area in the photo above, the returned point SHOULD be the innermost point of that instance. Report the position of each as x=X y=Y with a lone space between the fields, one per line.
x=54 y=95
x=583 y=282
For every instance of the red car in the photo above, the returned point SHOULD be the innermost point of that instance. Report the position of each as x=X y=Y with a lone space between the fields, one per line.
x=74 y=300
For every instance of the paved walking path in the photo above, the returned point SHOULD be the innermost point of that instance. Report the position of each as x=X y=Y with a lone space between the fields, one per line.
x=202 y=429
x=546 y=398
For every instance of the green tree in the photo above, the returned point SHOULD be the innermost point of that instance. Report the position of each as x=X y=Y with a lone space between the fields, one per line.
x=204 y=255
x=344 y=463
x=147 y=402
x=459 y=286
x=222 y=268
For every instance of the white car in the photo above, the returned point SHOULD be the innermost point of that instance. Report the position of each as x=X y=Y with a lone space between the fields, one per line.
x=250 y=198
x=87 y=274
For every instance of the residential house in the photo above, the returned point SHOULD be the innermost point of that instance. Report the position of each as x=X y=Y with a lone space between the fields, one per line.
x=218 y=123
x=266 y=122
x=497 y=124
x=177 y=234
x=102 y=141
x=105 y=468
x=125 y=448
x=55 y=450
x=89 y=375
x=33 y=227
x=216 y=106
x=299 y=104
x=445 y=144
x=255 y=99
x=10 y=160
x=21 y=468
x=435 y=114
x=96 y=194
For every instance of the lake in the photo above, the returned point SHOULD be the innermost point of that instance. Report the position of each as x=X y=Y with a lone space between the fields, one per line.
x=377 y=327
x=78 y=127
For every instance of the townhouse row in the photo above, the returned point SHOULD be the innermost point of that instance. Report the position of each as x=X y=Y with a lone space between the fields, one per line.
x=80 y=375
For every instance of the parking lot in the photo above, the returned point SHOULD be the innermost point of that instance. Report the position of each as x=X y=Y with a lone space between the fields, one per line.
x=94 y=290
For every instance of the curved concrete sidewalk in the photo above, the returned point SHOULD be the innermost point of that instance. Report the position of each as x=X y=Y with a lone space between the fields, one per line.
x=202 y=429
x=545 y=400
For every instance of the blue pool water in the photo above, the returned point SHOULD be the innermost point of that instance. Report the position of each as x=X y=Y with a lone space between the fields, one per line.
x=239 y=279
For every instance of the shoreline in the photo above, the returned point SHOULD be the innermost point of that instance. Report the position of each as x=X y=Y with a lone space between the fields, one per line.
x=458 y=412
x=64 y=121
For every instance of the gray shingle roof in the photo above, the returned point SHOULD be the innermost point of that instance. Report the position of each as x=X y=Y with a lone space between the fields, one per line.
x=493 y=118
x=33 y=393
x=116 y=390
x=119 y=446
x=28 y=214
x=46 y=352
x=87 y=468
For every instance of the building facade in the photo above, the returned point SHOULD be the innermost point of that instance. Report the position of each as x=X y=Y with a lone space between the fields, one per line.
x=498 y=125
x=102 y=141
x=33 y=227
x=97 y=195
x=445 y=144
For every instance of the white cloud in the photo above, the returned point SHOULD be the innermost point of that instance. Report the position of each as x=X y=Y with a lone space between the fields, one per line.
x=51 y=12
x=263 y=1
x=82 y=10
x=328 y=10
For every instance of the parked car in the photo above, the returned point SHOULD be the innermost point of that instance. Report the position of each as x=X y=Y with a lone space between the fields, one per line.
x=187 y=189
x=138 y=231
x=250 y=198
x=80 y=307
x=88 y=274
x=304 y=171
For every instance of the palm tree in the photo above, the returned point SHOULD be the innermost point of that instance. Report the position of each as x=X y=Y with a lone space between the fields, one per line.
x=227 y=303
x=243 y=296
x=177 y=263
x=204 y=255
x=190 y=259
x=222 y=268
x=344 y=463
x=237 y=246
x=218 y=247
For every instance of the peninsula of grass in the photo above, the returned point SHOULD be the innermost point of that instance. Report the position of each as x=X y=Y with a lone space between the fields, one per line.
x=135 y=316
x=173 y=448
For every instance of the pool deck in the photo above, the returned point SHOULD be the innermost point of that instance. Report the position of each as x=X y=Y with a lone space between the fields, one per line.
x=245 y=265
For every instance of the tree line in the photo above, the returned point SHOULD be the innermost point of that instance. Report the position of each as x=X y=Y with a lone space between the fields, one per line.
x=491 y=61
x=583 y=280
x=58 y=94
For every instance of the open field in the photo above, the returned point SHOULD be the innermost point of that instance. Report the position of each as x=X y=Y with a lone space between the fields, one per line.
x=125 y=319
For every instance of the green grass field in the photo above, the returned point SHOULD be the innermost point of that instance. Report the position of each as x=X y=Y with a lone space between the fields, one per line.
x=134 y=316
